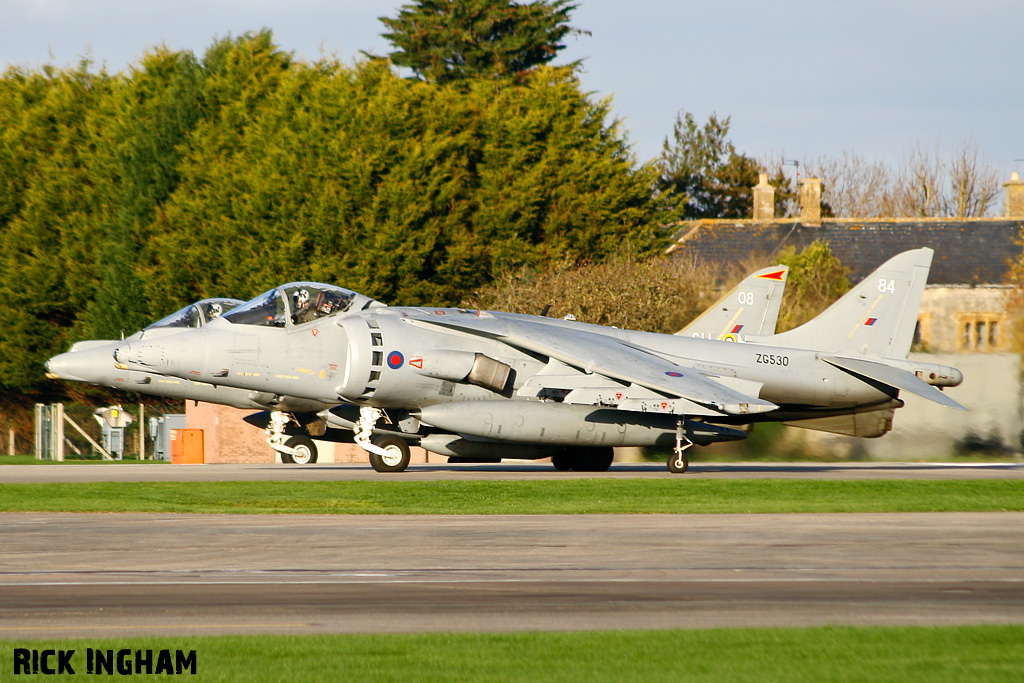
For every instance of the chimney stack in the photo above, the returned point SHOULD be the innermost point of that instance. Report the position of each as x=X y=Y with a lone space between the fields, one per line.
x=1014 y=196
x=764 y=199
x=810 y=200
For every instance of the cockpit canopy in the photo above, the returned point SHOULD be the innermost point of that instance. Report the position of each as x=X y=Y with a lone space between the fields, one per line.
x=297 y=303
x=194 y=315
x=197 y=314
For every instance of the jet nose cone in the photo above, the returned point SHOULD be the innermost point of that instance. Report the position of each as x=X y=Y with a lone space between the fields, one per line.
x=65 y=366
x=956 y=377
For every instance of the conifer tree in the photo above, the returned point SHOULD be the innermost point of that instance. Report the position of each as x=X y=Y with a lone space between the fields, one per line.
x=702 y=168
x=451 y=40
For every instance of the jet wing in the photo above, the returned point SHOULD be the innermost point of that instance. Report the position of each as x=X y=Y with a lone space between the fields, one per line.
x=893 y=377
x=615 y=359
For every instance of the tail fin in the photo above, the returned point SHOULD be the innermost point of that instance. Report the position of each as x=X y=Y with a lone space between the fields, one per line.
x=875 y=318
x=751 y=307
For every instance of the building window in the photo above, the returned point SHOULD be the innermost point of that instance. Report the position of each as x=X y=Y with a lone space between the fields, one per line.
x=981 y=332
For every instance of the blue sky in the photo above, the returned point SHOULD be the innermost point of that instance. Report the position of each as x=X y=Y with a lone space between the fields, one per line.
x=799 y=78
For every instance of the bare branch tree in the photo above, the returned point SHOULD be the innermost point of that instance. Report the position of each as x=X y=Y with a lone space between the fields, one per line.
x=854 y=186
x=917 y=191
x=926 y=185
x=973 y=184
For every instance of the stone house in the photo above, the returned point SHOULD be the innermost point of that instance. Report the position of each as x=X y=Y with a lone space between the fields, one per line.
x=964 y=309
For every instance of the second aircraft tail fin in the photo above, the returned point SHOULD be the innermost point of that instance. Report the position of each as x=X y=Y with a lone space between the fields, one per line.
x=751 y=307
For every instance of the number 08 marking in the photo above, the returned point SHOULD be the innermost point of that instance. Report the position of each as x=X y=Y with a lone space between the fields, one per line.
x=746 y=298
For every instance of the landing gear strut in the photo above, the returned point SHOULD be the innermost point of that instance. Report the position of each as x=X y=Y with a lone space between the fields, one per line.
x=677 y=462
x=387 y=453
x=300 y=450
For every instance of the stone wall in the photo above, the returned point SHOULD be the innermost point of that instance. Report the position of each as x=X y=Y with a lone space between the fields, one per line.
x=964 y=320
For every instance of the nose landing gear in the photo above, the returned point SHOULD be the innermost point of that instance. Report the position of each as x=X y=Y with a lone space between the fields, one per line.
x=296 y=449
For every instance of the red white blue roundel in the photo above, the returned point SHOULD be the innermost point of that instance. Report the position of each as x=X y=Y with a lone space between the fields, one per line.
x=674 y=374
x=395 y=360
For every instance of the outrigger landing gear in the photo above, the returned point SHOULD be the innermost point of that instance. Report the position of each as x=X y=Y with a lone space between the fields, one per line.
x=677 y=462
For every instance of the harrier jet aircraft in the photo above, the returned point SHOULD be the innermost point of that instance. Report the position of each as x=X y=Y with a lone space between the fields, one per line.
x=487 y=385
x=752 y=307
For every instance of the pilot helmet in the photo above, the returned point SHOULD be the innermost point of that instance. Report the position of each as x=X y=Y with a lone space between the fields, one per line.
x=302 y=298
x=215 y=310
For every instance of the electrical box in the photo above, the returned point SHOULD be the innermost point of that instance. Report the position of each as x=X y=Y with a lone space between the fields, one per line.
x=187 y=447
x=160 y=429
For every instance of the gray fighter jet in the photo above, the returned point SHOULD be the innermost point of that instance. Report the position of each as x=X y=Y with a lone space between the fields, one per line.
x=751 y=307
x=486 y=385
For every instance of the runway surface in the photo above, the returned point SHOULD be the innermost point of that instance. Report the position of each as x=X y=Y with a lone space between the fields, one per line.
x=517 y=470
x=94 y=575
x=97 y=575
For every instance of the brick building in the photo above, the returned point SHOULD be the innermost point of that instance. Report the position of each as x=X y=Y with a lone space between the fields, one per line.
x=228 y=438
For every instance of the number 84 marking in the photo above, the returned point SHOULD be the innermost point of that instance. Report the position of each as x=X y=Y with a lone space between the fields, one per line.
x=887 y=286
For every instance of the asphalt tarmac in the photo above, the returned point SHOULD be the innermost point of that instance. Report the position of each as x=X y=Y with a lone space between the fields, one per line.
x=100 y=575
x=514 y=470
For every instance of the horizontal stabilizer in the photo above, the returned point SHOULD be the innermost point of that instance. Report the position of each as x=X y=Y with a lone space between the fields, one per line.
x=893 y=377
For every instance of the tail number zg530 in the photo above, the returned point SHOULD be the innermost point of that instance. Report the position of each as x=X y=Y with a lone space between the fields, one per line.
x=772 y=359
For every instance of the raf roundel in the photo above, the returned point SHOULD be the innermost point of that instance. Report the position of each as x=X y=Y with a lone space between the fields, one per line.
x=395 y=360
x=674 y=374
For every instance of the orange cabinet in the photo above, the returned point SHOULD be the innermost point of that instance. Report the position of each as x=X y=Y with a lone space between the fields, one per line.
x=186 y=446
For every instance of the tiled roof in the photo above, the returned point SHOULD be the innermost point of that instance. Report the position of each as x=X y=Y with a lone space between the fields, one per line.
x=967 y=251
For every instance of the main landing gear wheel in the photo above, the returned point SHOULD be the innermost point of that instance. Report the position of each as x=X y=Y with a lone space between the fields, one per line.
x=305 y=451
x=583 y=459
x=595 y=459
x=397 y=458
x=562 y=461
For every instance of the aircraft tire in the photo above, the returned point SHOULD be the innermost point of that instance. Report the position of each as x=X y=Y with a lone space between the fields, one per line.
x=678 y=464
x=398 y=454
x=595 y=459
x=305 y=451
x=563 y=460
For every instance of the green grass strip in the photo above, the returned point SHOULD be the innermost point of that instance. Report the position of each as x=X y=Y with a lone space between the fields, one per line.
x=979 y=654
x=571 y=496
